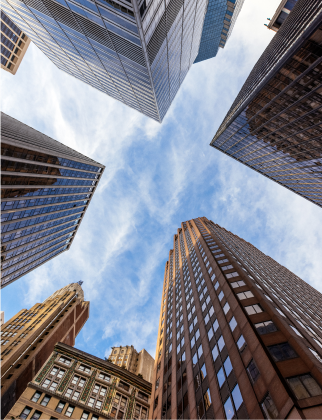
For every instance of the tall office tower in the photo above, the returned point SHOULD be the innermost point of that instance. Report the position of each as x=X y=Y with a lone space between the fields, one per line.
x=29 y=338
x=218 y=26
x=46 y=188
x=1 y=318
x=274 y=125
x=240 y=336
x=140 y=363
x=281 y=14
x=138 y=51
x=76 y=384
x=14 y=44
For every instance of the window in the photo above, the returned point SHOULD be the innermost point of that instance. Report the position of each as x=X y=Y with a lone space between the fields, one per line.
x=200 y=351
x=143 y=396
x=229 y=409
x=253 y=309
x=245 y=295
x=296 y=331
x=125 y=386
x=252 y=371
x=45 y=400
x=215 y=352
x=140 y=412
x=233 y=323
x=36 y=396
x=84 y=369
x=85 y=415
x=226 y=308
x=69 y=410
x=207 y=399
x=237 y=397
x=25 y=413
x=221 y=343
x=241 y=343
x=228 y=367
x=316 y=354
x=231 y=275
x=221 y=295
x=265 y=327
x=53 y=386
x=236 y=284
x=221 y=377
x=60 y=407
x=304 y=386
x=216 y=285
x=64 y=360
x=106 y=378
x=269 y=408
x=36 y=415
x=118 y=406
x=203 y=372
x=282 y=351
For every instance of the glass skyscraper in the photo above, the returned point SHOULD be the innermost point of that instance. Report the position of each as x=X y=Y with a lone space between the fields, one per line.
x=46 y=188
x=138 y=52
x=240 y=336
x=274 y=124
x=218 y=25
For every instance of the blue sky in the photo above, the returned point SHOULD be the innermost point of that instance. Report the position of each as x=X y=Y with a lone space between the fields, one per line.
x=156 y=177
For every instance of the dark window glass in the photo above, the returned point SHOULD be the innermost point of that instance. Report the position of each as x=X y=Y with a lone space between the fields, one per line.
x=265 y=327
x=304 y=386
x=269 y=408
x=252 y=370
x=282 y=351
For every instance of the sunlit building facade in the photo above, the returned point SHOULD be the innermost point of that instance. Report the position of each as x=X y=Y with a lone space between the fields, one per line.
x=46 y=188
x=29 y=337
x=14 y=44
x=240 y=336
x=74 y=384
x=138 y=52
x=218 y=25
x=274 y=125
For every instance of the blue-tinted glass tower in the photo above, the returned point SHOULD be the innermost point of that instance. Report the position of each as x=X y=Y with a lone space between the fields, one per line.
x=218 y=25
x=46 y=188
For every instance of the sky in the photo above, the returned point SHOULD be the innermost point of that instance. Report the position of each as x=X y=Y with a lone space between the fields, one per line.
x=156 y=176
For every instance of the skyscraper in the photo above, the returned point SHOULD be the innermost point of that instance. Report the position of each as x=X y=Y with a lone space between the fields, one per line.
x=29 y=338
x=138 y=52
x=140 y=363
x=240 y=336
x=218 y=26
x=45 y=192
x=14 y=44
x=76 y=384
x=281 y=14
x=274 y=124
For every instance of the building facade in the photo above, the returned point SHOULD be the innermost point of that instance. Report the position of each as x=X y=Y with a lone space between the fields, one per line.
x=274 y=124
x=240 y=336
x=218 y=26
x=281 y=14
x=28 y=338
x=77 y=385
x=139 y=363
x=46 y=188
x=14 y=44
x=137 y=52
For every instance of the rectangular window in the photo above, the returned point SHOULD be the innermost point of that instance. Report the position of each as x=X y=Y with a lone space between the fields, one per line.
x=106 y=378
x=45 y=400
x=85 y=415
x=36 y=396
x=253 y=309
x=25 y=413
x=241 y=343
x=65 y=360
x=232 y=324
x=84 y=369
x=237 y=397
x=207 y=399
x=236 y=284
x=269 y=408
x=36 y=415
x=226 y=308
x=282 y=351
x=304 y=386
x=69 y=410
x=252 y=371
x=229 y=409
x=265 y=327
x=245 y=295
x=60 y=407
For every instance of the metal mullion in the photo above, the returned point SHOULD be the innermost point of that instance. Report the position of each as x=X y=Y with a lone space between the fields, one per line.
x=31 y=256
x=43 y=230
x=27 y=174
x=43 y=205
x=51 y=152
x=36 y=240
x=31 y=249
x=38 y=215
x=33 y=162
x=45 y=196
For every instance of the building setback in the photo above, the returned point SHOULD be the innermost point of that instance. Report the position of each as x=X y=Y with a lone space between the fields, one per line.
x=240 y=336
x=75 y=384
x=218 y=26
x=46 y=188
x=14 y=44
x=274 y=124
x=138 y=52
x=28 y=338
x=140 y=363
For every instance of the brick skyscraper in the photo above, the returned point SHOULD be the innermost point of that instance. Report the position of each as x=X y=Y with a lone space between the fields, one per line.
x=274 y=124
x=46 y=188
x=14 y=44
x=239 y=335
x=29 y=338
